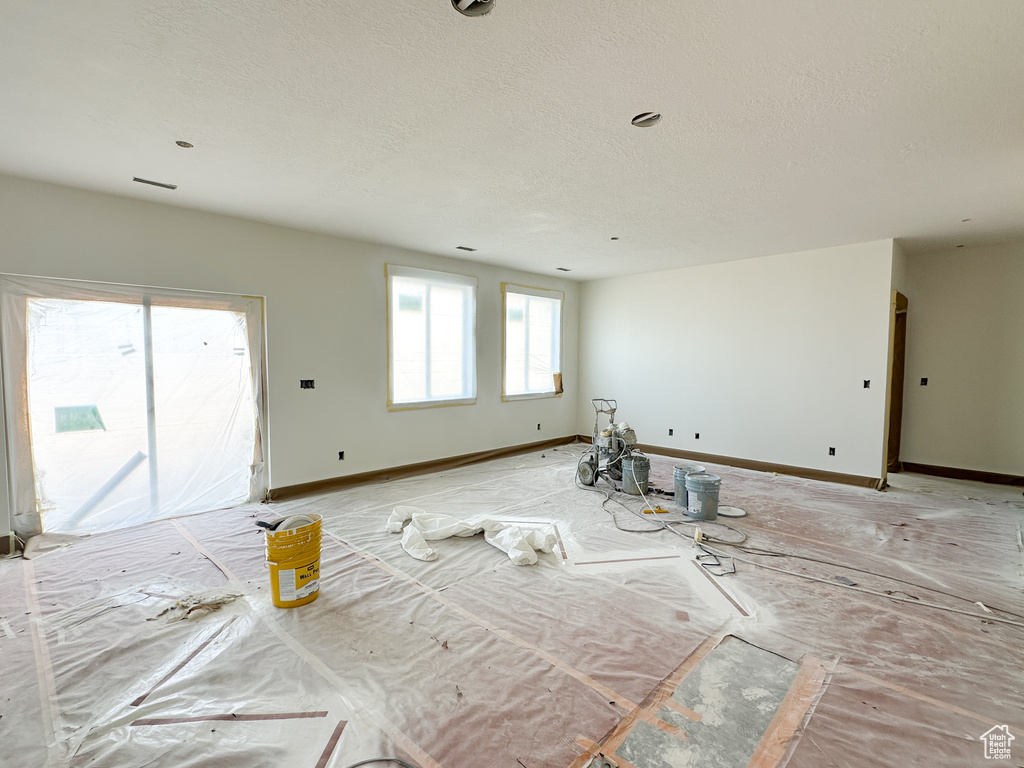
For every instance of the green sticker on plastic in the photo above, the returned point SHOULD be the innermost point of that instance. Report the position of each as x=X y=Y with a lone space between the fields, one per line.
x=78 y=418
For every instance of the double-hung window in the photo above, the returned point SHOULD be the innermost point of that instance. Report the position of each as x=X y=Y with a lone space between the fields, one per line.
x=431 y=338
x=533 y=333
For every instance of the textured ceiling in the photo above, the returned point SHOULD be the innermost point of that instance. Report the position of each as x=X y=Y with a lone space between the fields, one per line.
x=787 y=125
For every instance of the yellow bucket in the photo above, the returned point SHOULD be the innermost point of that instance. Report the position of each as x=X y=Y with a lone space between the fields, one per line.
x=293 y=556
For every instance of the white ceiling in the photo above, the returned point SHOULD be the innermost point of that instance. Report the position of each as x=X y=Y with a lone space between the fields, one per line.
x=787 y=125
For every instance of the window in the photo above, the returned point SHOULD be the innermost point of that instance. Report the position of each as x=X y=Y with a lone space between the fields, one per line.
x=533 y=332
x=431 y=338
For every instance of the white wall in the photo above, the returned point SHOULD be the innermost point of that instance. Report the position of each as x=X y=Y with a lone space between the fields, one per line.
x=965 y=333
x=765 y=358
x=325 y=306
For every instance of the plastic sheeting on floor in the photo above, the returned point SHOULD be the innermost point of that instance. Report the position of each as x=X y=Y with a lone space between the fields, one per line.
x=158 y=645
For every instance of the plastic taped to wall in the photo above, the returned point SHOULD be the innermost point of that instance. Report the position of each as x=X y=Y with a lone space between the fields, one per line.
x=421 y=527
x=128 y=404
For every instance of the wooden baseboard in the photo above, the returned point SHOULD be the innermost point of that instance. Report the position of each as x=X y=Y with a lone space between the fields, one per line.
x=410 y=470
x=761 y=466
x=962 y=474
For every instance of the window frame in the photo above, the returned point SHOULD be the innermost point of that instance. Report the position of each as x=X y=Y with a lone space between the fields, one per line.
x=469 y=372
x=543 y=293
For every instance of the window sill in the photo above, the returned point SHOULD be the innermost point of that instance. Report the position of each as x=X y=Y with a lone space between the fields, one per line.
x=418 y=405
x=530 y=396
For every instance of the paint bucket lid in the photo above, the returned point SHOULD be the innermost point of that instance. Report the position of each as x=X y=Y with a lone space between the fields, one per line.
x=701 y=481
x=686 y=469
x=294 y=523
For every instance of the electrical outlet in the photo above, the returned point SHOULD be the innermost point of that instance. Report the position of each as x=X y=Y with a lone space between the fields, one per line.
x=924 y=381
x=696 y=435
x=831 y=451
x=305 y=384
x=538 y=427
x=341 y=455
x=867 y=383
x=671 y=432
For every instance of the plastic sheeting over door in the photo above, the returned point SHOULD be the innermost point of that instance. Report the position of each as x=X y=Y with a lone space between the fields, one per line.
x=137 y=405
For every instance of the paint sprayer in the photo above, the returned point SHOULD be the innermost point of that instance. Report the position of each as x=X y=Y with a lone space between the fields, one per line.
x=612 y=450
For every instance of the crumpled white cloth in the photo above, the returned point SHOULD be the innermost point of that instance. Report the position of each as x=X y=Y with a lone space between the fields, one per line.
x=521 y=546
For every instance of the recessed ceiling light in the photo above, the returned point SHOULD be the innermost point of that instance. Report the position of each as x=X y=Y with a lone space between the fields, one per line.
x=464 y=248
x=563 y=269
x=646 y=119
x=184 y=144
x=155 y=183
x=473 y=7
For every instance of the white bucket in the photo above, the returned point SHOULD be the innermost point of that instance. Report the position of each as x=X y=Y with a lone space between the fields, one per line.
x=702 y=491
x=635 y=472
x=679 y=473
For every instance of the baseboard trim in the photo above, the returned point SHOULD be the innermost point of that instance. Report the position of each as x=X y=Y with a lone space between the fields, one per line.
x=760 y=466
x=955 y=473
x=410 y=470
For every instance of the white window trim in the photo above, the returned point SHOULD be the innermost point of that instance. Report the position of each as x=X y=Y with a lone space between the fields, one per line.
x=451 y=278
x=543 y=293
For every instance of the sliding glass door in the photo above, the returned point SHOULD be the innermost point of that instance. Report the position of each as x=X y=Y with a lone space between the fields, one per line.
x=137 y=409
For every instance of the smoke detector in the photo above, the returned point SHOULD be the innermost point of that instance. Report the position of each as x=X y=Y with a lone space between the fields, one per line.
x=473 y=7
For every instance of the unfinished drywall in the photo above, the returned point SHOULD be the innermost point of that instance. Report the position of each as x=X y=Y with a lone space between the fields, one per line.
x=765 y=358
x=965 y=334
x=325 y=319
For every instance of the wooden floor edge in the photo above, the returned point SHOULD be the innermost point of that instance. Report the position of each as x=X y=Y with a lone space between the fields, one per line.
x=994 y=478
x=287 y=492
x=760 y=466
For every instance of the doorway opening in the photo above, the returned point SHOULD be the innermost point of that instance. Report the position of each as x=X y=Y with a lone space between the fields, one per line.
x=898 y=342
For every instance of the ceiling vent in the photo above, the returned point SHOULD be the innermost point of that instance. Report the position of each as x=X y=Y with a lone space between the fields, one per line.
x=155 y=183
x=473 y=7
x=646 y=119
